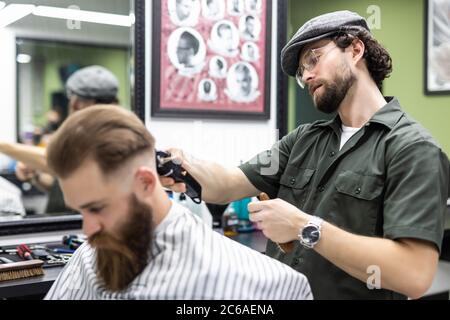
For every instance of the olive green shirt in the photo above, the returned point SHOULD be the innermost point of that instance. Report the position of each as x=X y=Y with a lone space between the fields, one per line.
x=389 y=180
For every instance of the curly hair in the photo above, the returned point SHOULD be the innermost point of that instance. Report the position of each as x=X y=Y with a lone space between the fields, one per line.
x=379 y=62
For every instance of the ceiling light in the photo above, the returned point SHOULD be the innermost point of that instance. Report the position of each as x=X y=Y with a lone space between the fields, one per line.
x=85 y=16
x=14 y=12
x=23 y=58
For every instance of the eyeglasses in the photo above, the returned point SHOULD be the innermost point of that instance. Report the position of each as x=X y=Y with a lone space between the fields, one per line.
x=310 y=60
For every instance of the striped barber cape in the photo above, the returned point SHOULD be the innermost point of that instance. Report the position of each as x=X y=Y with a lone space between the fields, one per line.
x=189 y=261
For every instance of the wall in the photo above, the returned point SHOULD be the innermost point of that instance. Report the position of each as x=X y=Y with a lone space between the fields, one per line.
x=226 y=142
x=7 y=90
x=402 y=33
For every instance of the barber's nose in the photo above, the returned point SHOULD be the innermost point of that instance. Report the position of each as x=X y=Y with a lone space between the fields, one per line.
x=307 y=76
x=91 y=224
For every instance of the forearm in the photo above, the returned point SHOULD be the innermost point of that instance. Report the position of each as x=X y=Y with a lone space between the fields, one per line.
x=400 y=269
x=220 y=185
x=34 y=157
x=405 y=265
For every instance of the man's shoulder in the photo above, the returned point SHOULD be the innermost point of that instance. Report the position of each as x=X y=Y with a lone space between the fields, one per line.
x=180 y=214
x=409 y=132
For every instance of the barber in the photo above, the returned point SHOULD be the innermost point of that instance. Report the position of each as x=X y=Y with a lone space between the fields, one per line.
x=362 y=197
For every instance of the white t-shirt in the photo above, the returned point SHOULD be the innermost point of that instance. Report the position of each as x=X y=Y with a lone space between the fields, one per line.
x=189 y=261
x=347 y=133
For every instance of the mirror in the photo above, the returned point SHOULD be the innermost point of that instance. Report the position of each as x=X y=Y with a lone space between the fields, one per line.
x=43 y=43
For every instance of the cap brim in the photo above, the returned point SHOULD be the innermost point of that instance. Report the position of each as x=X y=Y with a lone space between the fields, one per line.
x=290 y=54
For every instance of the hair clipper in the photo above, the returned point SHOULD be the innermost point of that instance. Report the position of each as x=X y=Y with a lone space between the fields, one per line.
x=167 y=168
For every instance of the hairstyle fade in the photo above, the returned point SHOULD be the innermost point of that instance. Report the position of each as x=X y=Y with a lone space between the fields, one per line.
x=109 y=135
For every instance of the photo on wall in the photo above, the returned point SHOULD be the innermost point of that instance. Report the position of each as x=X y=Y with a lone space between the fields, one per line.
x=437 y=52
x=211 y=59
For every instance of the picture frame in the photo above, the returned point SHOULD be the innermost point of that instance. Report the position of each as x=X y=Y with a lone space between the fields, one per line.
x=437 y=47
x=207 y=64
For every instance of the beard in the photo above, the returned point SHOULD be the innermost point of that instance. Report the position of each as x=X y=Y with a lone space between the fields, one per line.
x=334 y=91
x=122 y=257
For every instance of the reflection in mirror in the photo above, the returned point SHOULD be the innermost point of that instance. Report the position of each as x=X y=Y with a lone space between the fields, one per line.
x=45 y=44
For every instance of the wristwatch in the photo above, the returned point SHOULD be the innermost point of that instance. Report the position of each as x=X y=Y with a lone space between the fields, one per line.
x=309 y=235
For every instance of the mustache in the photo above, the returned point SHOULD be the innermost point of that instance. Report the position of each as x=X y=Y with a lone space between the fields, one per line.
x=313 y=85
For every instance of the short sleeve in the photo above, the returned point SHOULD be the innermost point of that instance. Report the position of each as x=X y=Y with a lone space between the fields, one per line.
x=417 y=183
x=265 y=169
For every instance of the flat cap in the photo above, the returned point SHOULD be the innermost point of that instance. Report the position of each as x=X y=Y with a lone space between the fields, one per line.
x=315 y=29
x=94 y=82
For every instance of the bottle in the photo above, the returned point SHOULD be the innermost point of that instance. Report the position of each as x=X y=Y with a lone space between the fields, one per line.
x=230 y=222
x=241 y=208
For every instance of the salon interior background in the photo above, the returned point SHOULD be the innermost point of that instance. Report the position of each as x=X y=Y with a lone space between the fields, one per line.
x=402 y=32
x=35 y=47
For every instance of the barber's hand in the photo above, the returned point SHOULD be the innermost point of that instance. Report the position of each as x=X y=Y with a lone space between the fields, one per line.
x=178 y=157
x=24 y=173
x=279 y=220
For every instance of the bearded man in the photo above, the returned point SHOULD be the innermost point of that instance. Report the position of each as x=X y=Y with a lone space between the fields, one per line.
x=140 y=244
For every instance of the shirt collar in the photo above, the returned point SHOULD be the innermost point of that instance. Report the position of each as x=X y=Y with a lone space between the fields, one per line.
x=387 y=115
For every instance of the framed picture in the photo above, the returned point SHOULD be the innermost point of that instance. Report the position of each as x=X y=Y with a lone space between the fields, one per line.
x=437 y=51
x=211 y=59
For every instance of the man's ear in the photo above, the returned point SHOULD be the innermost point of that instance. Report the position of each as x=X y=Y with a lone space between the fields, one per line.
x=358 y=49
x=144 y=182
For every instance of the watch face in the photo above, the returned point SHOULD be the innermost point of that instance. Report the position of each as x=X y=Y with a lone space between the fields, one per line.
x=311 y=234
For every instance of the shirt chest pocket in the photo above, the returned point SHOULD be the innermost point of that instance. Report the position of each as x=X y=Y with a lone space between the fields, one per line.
x=359 y=186
x=295 y=185
x=358 y=201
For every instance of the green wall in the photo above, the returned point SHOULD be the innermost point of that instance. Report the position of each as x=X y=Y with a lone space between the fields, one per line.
x=402 y=33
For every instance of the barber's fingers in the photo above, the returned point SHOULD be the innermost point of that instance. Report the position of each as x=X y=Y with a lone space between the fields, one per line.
x=258 y=206
x=166 y=181
x=255 y=210
x=170 y=184
x=263 y=197
x=259 y=225
x=177 y=156
x=256 y=217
